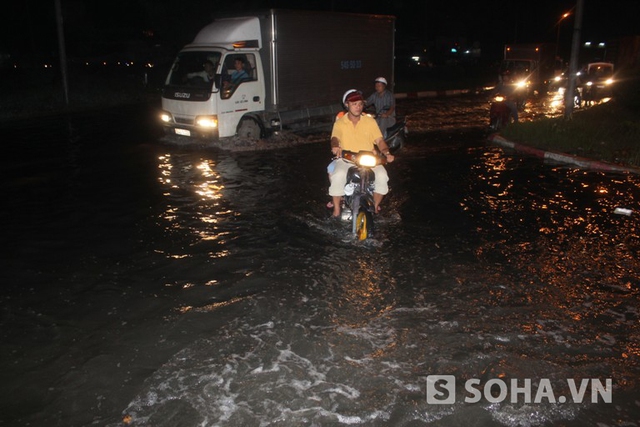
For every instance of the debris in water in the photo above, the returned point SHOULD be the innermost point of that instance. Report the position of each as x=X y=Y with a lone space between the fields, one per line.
x=623 y=211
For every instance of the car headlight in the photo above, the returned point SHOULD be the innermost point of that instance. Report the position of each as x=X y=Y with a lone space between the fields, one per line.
x=608 y=81
x=367 y=160
x=207 y=121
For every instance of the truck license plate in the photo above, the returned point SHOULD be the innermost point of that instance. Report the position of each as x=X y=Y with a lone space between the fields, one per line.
x=183 y=132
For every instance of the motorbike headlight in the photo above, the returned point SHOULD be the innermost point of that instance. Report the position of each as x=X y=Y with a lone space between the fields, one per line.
x=498 y=98
x=367 y=160
x=207 y=121
x=589 y=83
x=521 y=83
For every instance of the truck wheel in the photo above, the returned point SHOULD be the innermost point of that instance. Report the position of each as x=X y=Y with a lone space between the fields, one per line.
x=249 y=128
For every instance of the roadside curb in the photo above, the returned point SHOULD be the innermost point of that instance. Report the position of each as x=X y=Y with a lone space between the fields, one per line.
x=434 y=93
x=581 y=162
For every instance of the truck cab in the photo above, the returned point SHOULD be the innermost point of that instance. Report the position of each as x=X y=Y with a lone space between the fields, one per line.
x=248 y=76
x=198 y=103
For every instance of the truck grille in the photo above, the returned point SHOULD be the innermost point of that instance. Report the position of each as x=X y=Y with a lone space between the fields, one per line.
x=183 y=121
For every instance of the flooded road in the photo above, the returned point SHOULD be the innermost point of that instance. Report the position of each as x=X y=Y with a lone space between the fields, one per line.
x=147 y=283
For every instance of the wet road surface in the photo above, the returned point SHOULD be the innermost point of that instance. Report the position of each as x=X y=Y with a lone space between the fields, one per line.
x=150 y=283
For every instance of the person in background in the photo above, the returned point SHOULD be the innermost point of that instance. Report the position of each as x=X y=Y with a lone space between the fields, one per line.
x=385 y=105
x=507 y=88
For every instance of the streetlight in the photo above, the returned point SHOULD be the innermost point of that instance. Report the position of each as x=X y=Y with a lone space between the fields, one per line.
x=564 y=15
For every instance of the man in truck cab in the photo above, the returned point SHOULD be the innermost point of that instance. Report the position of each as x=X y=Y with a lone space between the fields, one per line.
x=207 y=74
x=239 y=73
x=356 y=132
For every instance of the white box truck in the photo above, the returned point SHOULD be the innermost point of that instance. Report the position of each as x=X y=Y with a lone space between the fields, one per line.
x=294 y=68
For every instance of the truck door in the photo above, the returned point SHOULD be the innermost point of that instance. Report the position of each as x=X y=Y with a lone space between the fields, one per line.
x=242 y=90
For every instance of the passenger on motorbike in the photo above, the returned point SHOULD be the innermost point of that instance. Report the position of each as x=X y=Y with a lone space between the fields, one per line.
x=356 y=132
x=384 y=103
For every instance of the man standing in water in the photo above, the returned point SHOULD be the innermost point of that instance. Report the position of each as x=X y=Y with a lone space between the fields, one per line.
x=356 y=132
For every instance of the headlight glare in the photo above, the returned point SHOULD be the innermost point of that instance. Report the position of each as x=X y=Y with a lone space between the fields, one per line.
x=367 y=160
x=207 y=121
x=165 y=117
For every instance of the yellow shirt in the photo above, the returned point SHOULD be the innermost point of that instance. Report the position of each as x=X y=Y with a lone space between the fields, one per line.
x=358 y=137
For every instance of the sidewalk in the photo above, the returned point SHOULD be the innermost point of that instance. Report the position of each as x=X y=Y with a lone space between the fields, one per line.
x=581 y=162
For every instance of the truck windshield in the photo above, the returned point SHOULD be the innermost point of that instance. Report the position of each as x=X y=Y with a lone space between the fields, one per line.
x=195 y=69
x=515 y=67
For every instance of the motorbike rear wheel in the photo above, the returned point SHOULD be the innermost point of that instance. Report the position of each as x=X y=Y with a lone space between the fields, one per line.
x=364 y=224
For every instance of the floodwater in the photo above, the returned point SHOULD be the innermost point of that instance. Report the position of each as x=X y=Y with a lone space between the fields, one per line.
x=153 y=283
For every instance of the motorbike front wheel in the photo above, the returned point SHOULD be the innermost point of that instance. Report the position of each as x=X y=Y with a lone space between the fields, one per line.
x=364 y=224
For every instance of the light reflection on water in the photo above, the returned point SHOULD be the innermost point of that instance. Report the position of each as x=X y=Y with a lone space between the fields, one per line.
x=349 y=332
x=257 y=312
x=586 y=266
x=194 y=191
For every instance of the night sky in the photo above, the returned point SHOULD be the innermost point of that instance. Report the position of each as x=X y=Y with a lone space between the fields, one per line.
x=94 y=27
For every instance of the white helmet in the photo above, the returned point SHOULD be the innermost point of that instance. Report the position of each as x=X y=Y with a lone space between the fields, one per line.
x=380 y=80
x=347 y=93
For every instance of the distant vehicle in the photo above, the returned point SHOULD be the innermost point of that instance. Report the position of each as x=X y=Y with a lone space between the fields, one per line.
x=596 y=81
x=297 y=64
x=600 y=74
x=533 y=66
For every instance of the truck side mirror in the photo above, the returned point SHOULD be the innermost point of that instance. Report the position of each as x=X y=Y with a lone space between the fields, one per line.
x=217 y=81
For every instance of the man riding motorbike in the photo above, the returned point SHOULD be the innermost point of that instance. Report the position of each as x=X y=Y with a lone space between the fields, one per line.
x=356 y=132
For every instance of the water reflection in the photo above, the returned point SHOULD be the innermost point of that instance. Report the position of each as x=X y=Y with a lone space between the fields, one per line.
x=567 y=239
x=193 y=190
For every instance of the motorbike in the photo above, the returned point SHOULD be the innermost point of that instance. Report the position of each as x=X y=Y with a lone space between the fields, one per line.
x=499 y=113
x=357 y=204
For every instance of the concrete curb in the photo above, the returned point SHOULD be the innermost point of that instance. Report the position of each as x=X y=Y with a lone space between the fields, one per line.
x=434 y=93
x=581 y=162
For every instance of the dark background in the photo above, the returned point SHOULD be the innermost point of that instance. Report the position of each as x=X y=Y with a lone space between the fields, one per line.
x=96 y=28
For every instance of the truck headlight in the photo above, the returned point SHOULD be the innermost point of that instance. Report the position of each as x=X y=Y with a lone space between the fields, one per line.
x=166 y=117
x=207 y=121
